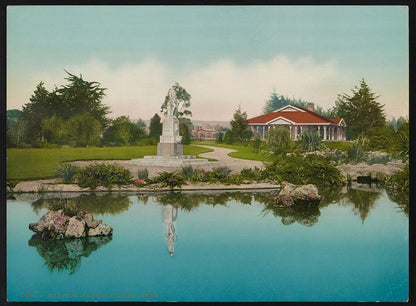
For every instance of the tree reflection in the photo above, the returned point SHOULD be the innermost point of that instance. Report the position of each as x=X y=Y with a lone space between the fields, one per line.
x=401 y=198
x=307 y=216
x=104 y=204
x=330 y=195
x=363 y=201
x=66 y=254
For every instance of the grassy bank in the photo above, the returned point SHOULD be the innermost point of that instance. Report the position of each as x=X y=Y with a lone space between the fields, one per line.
x=29 y=164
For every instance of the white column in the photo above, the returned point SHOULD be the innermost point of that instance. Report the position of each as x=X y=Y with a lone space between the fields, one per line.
x=325 y=127
x=290 y=131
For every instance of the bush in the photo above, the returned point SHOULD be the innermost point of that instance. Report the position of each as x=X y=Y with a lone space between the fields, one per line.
x=356 y=152
x=170 y=180
x=149 y=141
x=67 y=173
x=143 y=174
x=298 y=169
x=278 y=139
x=250 y=174
x=310 y=140
x=103 y=175
x=188 y=173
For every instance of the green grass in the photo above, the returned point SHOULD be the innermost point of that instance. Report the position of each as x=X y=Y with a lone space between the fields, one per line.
x=30 y=164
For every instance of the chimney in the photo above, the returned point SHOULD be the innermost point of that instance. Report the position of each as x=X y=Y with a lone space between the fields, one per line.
x=311 y=107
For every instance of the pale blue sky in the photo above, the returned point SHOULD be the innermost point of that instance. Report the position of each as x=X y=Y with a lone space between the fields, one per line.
x=312 y=52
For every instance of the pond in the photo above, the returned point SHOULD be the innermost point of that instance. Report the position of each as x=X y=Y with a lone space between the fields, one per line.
x=219 y=246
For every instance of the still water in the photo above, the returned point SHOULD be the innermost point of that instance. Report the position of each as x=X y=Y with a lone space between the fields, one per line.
x=214 y=247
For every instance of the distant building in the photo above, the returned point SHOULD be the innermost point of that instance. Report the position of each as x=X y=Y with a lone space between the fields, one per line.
x=297 y=120
x=207 y=132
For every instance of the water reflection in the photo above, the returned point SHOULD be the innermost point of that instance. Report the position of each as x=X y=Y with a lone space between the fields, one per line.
x=170 y=214
x=96 y=204
x=363 y=201
x=65 y=255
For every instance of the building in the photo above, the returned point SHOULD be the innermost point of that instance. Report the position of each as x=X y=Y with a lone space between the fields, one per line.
x=297 y=120
x=207 y=132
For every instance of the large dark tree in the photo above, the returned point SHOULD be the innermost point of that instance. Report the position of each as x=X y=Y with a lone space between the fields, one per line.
x=155 y=127
x=79 y=97
x=361 y=111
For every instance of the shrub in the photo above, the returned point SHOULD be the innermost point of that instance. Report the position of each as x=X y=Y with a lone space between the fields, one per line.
x=250 y=174
x=300 y=170
x=188 y=173
x=278 y=139
x=170 y=180
x=143 y=174
x=102 y=174
x=310 y=140
x=356 y=152
x=67 y=173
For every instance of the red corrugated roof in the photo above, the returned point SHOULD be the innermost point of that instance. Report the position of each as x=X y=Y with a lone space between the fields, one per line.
x=295 y=116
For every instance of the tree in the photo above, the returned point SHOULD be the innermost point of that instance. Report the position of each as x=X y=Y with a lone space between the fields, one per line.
x=84 y=130
x=183 y=97
x=278 y=101
x=119 y=131
x=361 y=111
x=239 y=126
x=155 y=127
x=81 y=97
x=278 y=139
x=14 y=127
x=55 y=130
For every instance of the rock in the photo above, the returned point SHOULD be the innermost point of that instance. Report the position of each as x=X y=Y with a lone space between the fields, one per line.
x=284 y=200
x=100 y=230
x=302 y=195
x=57 y=225
x=76 y=228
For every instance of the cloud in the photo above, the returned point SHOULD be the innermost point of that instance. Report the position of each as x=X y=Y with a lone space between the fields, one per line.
x=138 y=89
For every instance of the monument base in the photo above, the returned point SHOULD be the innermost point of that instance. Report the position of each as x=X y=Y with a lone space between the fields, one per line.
x=177 y=161
x=166 y=149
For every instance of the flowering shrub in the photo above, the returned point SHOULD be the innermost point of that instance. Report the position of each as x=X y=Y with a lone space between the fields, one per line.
x=171 y=180
x=143 y=174
x=398 y=181
x=103 y=175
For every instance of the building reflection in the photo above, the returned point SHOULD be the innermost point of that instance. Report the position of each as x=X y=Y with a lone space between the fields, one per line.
x=170 y=215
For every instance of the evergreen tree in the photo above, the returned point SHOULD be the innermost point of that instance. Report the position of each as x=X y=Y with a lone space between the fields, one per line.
x=361 y=111
x=239 y=126
x=155 y=127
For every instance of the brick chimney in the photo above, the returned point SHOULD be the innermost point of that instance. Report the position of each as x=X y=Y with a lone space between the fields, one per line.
x=311 y=107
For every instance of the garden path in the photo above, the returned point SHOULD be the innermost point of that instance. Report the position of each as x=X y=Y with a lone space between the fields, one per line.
x=235 y=164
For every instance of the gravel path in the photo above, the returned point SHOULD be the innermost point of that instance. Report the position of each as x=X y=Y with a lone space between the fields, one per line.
x=235 y=164
x=220 y=154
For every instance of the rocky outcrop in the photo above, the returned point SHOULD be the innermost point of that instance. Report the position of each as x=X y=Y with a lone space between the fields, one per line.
x=363 y=169
x=57 y=225
x=305 y=195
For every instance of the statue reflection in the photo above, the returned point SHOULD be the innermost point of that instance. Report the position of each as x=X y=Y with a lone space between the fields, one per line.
x=170 y=215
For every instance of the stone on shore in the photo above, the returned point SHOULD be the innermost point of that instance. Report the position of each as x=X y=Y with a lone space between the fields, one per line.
x=57 y=225
x=302 y=195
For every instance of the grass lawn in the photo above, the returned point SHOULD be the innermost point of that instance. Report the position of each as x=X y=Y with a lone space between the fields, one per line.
x=29 y=164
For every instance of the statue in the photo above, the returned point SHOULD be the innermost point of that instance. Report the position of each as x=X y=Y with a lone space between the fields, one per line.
x=170 y=213
x=170 y=140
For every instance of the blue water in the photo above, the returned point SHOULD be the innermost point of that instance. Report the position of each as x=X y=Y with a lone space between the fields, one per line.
x=231 y=252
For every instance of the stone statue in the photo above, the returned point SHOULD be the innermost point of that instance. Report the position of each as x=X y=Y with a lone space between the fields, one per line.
x=170 y=140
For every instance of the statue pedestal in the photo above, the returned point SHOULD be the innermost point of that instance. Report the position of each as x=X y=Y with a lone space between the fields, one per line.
x=164 y=149
x=170 y=141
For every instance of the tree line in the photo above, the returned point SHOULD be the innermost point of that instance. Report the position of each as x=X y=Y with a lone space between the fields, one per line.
x=75 y=115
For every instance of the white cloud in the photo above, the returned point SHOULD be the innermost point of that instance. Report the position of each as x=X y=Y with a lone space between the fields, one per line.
x=138 y=89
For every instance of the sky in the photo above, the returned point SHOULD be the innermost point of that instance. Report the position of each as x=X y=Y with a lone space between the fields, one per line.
x=225 y=56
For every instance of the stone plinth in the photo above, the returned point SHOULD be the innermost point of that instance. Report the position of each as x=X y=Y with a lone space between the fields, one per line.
x=167 y=149
x=170 y=132
x=177 y=161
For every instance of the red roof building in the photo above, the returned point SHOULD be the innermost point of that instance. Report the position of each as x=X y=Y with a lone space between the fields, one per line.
x=297 y=120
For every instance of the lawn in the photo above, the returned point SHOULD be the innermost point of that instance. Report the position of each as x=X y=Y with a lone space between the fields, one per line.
x=29 y=164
